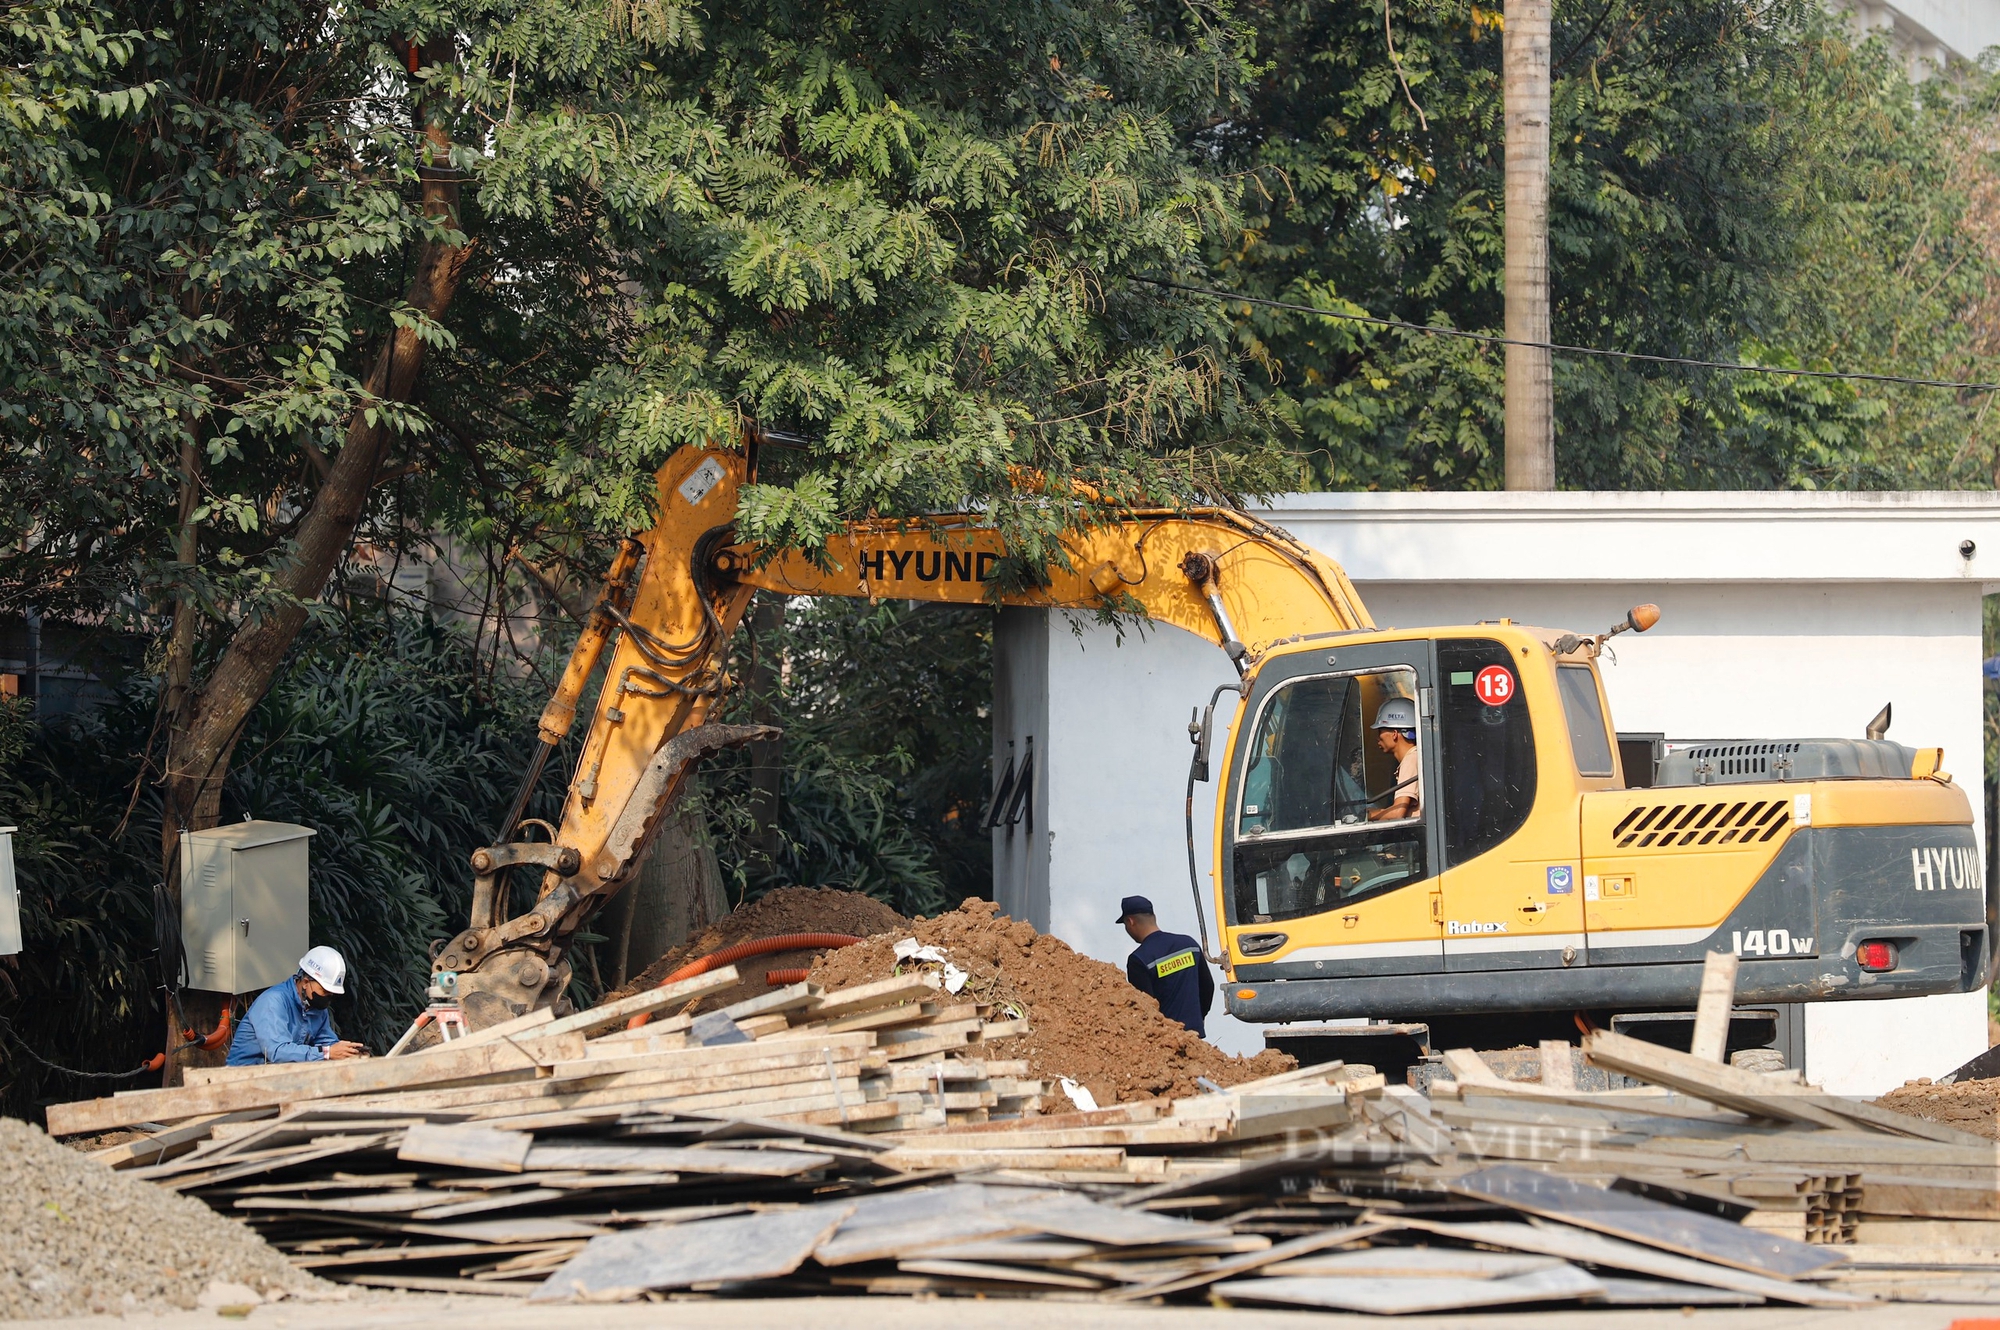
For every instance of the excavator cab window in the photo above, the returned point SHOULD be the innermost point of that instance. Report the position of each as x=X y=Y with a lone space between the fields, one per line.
x=1589 y=737
x=1488 y=782
x=1305 y=840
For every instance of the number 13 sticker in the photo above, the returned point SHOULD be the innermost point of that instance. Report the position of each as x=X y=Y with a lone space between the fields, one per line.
x=1495 y=685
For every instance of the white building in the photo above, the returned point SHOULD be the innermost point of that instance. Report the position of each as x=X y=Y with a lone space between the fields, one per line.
x=1930 y=35
x=1785 y=615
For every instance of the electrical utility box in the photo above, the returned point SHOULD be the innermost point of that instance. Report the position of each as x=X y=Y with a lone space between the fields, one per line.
x=243 y=905
x=10 y=897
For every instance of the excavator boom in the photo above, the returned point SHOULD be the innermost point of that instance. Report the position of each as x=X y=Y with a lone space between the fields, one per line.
x=674 y=597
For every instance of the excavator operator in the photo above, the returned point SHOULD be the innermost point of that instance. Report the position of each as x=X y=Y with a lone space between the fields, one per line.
x=1396 y=734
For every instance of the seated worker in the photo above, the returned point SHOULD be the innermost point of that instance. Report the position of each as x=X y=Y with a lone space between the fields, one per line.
x=1167 y=965
x=289 y=1022
x=1396 y=734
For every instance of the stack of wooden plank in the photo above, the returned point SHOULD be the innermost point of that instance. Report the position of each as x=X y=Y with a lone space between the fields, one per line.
x=886 y=1056
x=878 y=1139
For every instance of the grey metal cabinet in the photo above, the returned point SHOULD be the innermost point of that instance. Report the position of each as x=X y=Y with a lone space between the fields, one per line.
x=244 y=905
x=10 y=897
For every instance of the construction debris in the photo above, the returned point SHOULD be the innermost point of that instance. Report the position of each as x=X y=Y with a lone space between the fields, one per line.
x=1089 y=1025
x=879 y=1137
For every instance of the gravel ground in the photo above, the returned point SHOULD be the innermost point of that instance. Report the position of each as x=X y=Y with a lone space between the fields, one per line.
x=77 y=1238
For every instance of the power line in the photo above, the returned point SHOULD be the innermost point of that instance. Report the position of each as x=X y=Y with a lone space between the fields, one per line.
x=1434 y=331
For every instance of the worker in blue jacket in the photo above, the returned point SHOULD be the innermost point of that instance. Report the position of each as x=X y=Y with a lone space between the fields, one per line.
x=1167 y=965
x=289 y=1022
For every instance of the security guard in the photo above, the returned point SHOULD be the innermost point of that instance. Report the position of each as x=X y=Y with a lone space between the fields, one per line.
x=289 y=1022
x=1167 y=965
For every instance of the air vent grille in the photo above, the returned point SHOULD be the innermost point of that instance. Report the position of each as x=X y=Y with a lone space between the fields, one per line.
x=1725 y=822
x=1747 y=759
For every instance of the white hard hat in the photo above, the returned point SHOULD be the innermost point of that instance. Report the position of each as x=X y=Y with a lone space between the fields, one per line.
x=1398 y=713
x=325 y=965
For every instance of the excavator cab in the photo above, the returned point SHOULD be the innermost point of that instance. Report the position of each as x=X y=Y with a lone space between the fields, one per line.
x=1527 y=877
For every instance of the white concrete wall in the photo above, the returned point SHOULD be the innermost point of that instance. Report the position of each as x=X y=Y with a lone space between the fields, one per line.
x=1930 y=34
x=1784 y=615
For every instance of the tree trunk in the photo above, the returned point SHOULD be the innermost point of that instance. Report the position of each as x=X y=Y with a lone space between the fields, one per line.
x=206 y=721
x=1530 y=404
x=675 y=895
x=767 y=756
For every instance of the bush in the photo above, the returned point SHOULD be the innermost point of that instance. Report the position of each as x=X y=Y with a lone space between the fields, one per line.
x=386 y=733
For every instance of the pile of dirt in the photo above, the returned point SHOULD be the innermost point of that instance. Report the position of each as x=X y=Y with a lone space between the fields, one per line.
x=1088 y=1023
x=82 y=1239
x=786 y=910
x=1972 y=1106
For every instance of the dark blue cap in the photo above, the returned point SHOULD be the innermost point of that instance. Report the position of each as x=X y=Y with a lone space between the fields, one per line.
x=1132 y=905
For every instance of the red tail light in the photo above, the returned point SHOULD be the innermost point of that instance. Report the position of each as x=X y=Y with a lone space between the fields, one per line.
x=1876 y=955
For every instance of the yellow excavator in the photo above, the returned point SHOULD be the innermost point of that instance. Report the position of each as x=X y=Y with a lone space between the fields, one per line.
x=1410 y=823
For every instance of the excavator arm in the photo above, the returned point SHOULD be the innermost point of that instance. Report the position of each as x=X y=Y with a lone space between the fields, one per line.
x=674 y=597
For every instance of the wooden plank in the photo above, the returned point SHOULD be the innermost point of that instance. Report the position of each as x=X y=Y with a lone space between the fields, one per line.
x=501 y=1288
x=667 y=1158
x=233 y=1167
x=502 y=1201
x=427 y=1251
x=611 y=1014
x=463 y=1146
x=1141 y=1110
x=1928 y=1198
x=508 y=1029
x=897 y=1040
x=888 y=992
x=1560 y=1283
x=318 y=1080
x=720 y=1059
x=1414 y=1263
x=1825 y=1150
x=887 y=1225
x=153 y=1147
x=793 y=997
x=1558 y=1066
x=911 y=1160
x=855 y=1115
x=1028 y=1135
x=1005 y=1274
x=759 y=1246
x=757 y=1104
x=642 y=1039
x=1732 y=1087
x=1714 y=1007
x=883 y=1018
x=1575 y=1244
x=1650 y=1223
x=1236 y=1265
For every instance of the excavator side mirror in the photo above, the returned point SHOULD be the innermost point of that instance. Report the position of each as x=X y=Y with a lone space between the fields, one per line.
x=1198 y=722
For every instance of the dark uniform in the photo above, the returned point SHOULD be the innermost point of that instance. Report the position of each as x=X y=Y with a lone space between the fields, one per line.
x=1170 y=967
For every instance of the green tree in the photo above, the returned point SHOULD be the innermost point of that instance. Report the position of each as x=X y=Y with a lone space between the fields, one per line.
x=287 y=274
x=1729 y=183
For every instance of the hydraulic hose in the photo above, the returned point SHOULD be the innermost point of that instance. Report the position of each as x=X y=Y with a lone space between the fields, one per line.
x=762 y=946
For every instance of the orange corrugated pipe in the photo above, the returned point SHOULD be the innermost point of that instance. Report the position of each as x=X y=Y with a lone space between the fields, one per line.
x=762 y=946
x=779 y=978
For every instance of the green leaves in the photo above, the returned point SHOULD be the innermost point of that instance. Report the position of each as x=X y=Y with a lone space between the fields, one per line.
x=1724 y=181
